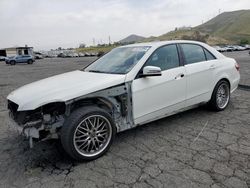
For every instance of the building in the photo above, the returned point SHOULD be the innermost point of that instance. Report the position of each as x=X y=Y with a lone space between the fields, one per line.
x=13 y=51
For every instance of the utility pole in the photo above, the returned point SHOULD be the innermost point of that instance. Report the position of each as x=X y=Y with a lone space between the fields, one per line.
x=93 y=41
x=109 y=41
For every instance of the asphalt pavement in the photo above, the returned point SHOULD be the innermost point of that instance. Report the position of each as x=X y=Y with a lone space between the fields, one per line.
x=197 y=148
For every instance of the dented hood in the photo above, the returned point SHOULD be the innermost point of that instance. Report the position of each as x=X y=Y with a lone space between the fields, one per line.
x=62 y=88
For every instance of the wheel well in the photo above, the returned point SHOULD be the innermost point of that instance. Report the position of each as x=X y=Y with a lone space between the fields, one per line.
x=98 y=101
x=225 y=79
x=55 y=107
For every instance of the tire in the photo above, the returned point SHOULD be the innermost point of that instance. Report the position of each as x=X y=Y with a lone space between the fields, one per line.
x=30 y=62
x=12 y=62
x=221 y=96
x=80 y=140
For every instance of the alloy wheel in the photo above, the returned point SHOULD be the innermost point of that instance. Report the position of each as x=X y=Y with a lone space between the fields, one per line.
x=92 y=135
x=222 y=96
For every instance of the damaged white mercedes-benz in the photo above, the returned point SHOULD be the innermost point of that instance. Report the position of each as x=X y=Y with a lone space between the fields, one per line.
x=129 y=86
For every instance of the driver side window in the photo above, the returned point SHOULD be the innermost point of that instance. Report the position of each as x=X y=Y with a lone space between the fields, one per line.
x=165 y=57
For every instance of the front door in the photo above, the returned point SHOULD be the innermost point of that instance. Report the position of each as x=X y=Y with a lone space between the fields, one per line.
x=157 y=96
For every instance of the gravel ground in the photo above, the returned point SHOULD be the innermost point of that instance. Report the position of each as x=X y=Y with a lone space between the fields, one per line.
x=165 y=153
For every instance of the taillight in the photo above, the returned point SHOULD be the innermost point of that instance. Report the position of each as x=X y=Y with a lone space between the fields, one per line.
x=237 y=66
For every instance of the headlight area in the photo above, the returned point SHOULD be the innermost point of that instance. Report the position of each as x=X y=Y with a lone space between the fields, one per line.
x=39 y=124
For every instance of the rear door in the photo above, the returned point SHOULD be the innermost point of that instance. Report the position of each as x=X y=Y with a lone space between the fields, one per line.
x=199 y=64
x=25 y=58
x=19 y=59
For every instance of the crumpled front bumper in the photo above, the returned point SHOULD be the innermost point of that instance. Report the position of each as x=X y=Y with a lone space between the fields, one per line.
x=28 y=130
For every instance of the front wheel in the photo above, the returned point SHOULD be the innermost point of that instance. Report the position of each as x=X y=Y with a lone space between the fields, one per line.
x=88 y=133
x=221 y=96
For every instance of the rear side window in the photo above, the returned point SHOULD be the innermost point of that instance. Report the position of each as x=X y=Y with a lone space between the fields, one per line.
x=165 y=57
x=193 y=53
x=209 y=56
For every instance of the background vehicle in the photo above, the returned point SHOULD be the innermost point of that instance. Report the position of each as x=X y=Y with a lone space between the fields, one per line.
x=20 y=59
x=3 y=58
x=75 y=55
x=38 y=55
x=239 y=48
x=61 y=55
x=87 y=54
x=81 y=54
x=129 y=86
x=220 y=49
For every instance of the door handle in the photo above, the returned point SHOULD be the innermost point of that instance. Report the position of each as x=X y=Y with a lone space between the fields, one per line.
x=179 y=76
x=212 y=67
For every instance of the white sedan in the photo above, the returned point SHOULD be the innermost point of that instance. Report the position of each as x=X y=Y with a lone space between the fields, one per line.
x=130 y=86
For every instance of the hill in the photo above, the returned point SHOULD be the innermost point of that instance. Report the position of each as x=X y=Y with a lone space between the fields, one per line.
x=232 y=26
x=226 y=28
x=131 y=39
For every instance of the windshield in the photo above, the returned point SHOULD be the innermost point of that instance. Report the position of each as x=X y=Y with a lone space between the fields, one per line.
x=119 y=60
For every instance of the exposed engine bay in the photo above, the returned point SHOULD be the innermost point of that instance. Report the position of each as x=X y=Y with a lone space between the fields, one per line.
x=46 y=121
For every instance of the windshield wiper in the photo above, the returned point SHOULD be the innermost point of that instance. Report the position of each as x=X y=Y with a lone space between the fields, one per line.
x=96 y=71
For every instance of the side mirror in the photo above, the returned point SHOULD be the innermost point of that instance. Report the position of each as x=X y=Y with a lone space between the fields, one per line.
x=151 y=71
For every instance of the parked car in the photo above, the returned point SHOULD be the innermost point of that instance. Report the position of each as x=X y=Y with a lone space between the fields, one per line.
x=61 y=55
x=69 y=55
x=38 y=55
x=81 y=54
x=75 y=55
x=93 y=54
x=129 y=86
x=230 y=48
x=247 y=46
x=100 y=53
x=239 y=48
x=20 y=59
x=220 y=49
x=3 y=58
x=87 y=54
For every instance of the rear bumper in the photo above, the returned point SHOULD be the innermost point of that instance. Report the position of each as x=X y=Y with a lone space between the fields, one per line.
x=234 y=83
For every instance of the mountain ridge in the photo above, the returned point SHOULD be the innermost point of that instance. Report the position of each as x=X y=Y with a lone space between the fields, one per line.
x=131 y=39
x=226 y=28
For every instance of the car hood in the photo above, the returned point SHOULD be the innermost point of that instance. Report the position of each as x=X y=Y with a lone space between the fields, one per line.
x=62 y=88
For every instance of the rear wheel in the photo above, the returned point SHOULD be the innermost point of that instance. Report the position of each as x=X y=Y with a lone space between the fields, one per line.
x=221 y=96
x=30 y=61
x=88 y=133
x=12 y=62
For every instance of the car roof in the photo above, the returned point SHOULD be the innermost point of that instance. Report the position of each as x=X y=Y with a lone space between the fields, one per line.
x=161 y=43
x=155 y=45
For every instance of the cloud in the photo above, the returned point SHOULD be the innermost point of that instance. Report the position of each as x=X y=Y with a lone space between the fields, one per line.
x=54 y=23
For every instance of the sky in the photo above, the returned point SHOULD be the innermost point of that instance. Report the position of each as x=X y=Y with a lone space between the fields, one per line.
x=49 y=24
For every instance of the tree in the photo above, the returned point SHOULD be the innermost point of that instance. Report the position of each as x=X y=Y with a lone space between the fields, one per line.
x=82 y=45
x=244 y=41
